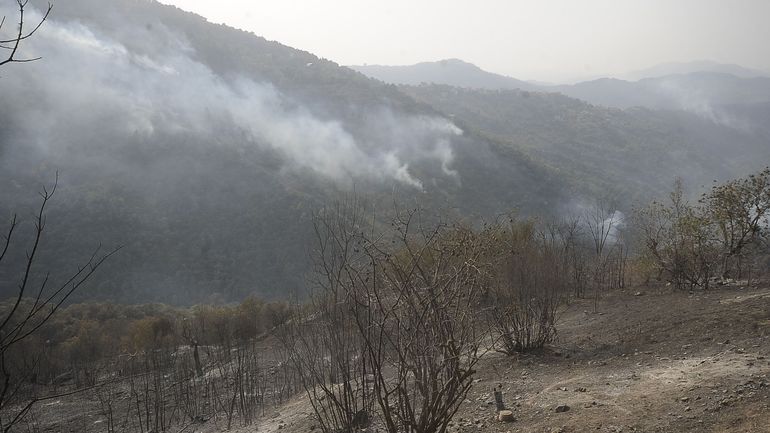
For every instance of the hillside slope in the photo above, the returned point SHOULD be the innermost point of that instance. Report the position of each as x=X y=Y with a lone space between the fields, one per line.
x=205 y=151
x=701 y=93
x=622 y=153
x=675 y=68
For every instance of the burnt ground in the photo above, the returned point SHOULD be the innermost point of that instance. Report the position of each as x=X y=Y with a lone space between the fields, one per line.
x=644 y=361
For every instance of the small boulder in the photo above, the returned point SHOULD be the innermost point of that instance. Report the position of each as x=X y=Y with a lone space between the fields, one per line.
x=505 y=416
x=562 y=408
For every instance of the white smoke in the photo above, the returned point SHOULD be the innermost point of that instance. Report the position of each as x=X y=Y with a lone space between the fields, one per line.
x=698 y=101
x=87 y=79
x=614 y=225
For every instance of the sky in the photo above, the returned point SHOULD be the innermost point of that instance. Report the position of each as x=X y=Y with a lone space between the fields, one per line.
x=546 y=40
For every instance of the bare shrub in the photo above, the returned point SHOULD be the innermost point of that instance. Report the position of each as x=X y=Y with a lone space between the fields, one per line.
x=322 y=339
x=531 y=280
x=415 y=304
x=394 y=321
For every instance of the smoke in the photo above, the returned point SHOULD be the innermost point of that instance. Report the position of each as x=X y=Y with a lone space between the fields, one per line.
x=614 y=226
x=698 y=100
x=596 y=219
x=88 y=80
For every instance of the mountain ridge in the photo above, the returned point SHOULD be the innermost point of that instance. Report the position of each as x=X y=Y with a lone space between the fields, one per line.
x=454 y=72
x=680 y=86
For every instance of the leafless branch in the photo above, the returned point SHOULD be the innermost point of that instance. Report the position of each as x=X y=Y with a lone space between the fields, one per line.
x=13 y=44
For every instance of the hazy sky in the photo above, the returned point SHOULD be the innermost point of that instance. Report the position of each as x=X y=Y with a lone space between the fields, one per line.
x=552 y=40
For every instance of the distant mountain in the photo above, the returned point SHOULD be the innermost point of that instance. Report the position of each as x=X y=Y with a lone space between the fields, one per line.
x=452 y=72
x=676 y=68
x=696 y=87
x=628 y=153
x=702 y=93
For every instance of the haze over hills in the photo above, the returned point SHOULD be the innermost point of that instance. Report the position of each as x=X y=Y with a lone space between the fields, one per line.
x=637 y=148
x=699 y=92
x=675 y=68
x=703 y=88
x=453 y=72
x=205 y=150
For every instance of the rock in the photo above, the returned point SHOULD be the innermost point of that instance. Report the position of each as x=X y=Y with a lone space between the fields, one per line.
x=580 y=389
x=505 y=416
x=562 y=408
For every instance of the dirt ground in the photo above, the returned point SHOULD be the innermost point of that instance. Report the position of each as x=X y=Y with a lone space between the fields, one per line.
x=644 y=361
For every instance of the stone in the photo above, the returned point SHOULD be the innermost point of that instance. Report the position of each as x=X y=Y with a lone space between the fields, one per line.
x=562 y=408
x=505 y=416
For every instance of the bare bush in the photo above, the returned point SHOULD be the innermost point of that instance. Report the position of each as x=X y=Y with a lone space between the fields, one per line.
x=531 y=280
x=394 y=322
x=416 y=308
x=323 y=341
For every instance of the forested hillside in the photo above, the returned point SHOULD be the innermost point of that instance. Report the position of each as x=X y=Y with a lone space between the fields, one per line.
x=204 y=150
x=634 y=152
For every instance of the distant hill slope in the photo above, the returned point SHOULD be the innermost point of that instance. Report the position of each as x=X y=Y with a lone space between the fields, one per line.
x=697 y=92
x=678 y=68
x=697 y=87
x=451 y=72
x=634 y=151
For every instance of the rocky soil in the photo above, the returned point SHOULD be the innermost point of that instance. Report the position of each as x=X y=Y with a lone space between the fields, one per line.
x=642 y=361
